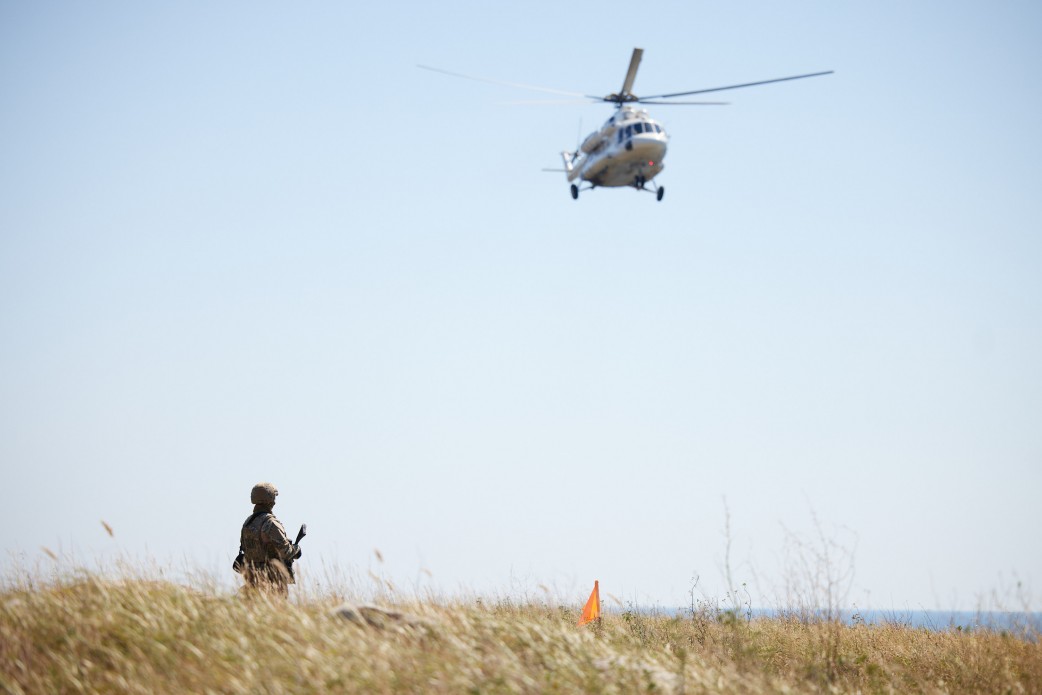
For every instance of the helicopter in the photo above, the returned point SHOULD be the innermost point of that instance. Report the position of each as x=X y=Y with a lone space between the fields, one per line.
x=627 y=151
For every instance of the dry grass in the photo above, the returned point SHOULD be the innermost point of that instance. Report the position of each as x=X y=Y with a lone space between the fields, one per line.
x=88 y=634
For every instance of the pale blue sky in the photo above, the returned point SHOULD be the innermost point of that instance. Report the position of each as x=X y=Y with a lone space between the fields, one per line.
x=253 y=242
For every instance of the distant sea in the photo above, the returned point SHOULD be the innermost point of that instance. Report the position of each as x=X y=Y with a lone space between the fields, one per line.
x=998 y=621
x=950 y=620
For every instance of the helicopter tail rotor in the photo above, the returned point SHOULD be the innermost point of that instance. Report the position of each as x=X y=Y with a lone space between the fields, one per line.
x=569 y=160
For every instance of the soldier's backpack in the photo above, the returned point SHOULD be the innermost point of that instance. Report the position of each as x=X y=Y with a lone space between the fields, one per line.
x=240 y=560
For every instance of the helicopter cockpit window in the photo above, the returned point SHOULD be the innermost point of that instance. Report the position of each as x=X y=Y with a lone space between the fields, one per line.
x=622 y=134
x=629 y=131
x=638 y=128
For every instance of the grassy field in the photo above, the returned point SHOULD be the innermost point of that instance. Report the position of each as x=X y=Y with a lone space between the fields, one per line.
x=88 y=634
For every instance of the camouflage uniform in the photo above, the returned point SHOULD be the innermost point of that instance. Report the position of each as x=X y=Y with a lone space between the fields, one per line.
x=266 y=548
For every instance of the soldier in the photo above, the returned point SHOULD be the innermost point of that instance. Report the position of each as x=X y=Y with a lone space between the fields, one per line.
x=265 y=552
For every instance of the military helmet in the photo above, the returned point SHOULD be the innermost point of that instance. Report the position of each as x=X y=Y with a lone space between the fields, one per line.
x=263 y=493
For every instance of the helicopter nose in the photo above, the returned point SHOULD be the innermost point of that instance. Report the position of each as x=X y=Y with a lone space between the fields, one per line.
x=652 y=148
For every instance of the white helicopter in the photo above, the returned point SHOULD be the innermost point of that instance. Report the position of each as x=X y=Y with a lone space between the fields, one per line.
x=629 y=148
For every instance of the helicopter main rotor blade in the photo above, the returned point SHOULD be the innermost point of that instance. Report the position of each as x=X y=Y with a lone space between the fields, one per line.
x=736 y=86
x=685 y=103
x=631 y=74
x=547 y=102
x=508 y=84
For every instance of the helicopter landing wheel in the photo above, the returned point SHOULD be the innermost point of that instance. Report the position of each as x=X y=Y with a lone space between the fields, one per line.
x=575 y=192
x=661 y=192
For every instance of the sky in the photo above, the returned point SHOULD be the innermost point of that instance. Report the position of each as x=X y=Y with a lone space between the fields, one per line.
x=252 y=241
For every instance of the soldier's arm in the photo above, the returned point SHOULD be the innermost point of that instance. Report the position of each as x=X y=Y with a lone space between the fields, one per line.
x=275 y=536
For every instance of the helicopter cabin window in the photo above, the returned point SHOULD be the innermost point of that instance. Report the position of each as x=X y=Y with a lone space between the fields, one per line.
x=622 y=134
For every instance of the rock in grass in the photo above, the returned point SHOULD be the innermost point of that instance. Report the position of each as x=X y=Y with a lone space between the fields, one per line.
x=375 y=616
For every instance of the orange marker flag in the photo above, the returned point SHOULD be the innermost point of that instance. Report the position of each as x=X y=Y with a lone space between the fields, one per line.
x=592 y=609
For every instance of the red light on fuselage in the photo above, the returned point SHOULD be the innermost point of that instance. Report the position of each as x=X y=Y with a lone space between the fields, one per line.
x=651 y=164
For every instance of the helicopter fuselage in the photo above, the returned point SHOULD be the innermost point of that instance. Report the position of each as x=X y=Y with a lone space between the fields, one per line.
x=627 y=151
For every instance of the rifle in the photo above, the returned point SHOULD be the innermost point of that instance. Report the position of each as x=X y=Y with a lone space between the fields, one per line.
x=300 y=534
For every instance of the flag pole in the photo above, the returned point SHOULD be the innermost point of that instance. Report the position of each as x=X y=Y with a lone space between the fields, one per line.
x=598 y=585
